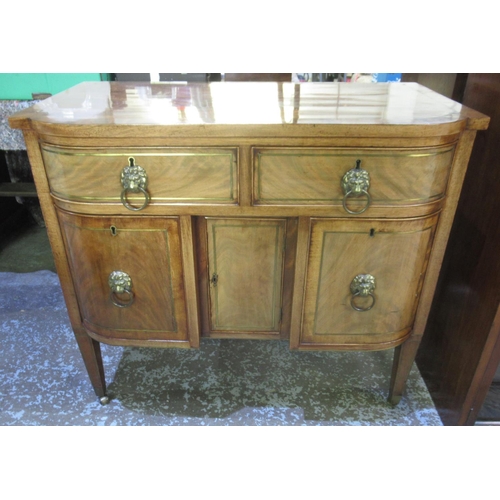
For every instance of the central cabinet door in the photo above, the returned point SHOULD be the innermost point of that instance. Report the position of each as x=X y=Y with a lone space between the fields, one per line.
x=245 y=274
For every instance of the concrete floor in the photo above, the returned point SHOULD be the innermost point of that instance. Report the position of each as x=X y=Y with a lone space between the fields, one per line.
x=26 y=248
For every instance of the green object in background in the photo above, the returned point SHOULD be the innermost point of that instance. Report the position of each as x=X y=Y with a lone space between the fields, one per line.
x=22 y=86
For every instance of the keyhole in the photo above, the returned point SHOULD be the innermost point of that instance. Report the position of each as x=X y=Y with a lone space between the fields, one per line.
x=214 y=279
x=358 y=164
x=113 y=230
x=131 y=162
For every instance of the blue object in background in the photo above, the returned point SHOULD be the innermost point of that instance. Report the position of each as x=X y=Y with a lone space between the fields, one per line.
x=386 y=77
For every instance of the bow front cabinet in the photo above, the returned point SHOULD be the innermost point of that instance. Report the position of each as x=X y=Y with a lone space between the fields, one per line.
x=316 y=213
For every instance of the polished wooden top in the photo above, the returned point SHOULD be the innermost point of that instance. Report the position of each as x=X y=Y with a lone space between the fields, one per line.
x=256 y=108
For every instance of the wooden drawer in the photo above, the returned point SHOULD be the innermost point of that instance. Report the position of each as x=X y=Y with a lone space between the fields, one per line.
x=393 y=252
x=174 y=176
x=148 y=250
x=312 y=176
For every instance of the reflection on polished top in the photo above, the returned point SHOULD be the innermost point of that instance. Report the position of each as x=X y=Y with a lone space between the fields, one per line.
x=256 y=103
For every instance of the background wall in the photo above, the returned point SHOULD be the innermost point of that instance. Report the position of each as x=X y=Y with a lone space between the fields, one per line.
x=24 y=85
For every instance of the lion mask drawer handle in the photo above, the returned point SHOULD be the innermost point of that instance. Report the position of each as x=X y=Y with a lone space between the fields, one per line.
x=362 y=285
x=134 y=180
x=120 y=283
x=356 y=183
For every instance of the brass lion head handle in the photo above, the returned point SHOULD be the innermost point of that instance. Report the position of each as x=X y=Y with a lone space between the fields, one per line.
x=120 y=283
x=134 y=180
x=363 y=285
x=356 y=183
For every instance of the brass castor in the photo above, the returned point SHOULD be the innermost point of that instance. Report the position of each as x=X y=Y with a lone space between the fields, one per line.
x=104 y=400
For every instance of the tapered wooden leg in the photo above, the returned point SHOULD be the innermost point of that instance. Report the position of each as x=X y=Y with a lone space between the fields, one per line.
x=404 y=356
x=91 y=353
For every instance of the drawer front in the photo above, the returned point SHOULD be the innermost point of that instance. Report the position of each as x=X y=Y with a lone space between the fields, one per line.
x=310 y=176
x=153 y=306
x=363 y=280
x=173 y=176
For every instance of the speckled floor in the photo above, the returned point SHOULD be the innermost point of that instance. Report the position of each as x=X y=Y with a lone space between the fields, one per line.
x=225 y=382
x=490 y=411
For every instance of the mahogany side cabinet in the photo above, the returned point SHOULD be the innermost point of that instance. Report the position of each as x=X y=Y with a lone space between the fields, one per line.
x=316 y=212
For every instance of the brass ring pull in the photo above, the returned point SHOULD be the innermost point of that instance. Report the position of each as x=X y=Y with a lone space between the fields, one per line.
x=120 y=283
x=128 y=205
x=349 y=193
x=118 y=303
x=356 y=183
x=363 y=285
x=367 y=308
x=134 y=180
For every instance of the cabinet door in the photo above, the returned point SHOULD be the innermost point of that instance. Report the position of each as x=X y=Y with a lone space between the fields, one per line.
x=245 y=274
x=363 y=280
x=152 y=307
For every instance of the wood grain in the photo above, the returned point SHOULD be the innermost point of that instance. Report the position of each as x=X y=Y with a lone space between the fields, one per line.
x=460 y=349
x=394 y=252
x=404 y=355
x=313 y=176
x=89 y=348
x=301 y=260
x=189 y=279
x=288 y=276
x=246 y=256
x=174 y=175
x=159 y=308
x=236 y=196
x=459 y=168
x=159 y=209
x=116 y=109
x=361 y=141
x=407 y=356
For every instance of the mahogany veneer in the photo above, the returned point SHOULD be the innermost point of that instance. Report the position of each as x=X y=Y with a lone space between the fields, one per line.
x=460 y=351
x=317 y=213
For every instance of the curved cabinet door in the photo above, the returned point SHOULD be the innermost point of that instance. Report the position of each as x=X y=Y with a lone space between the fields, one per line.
x=151 y=308
x=363 y=280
